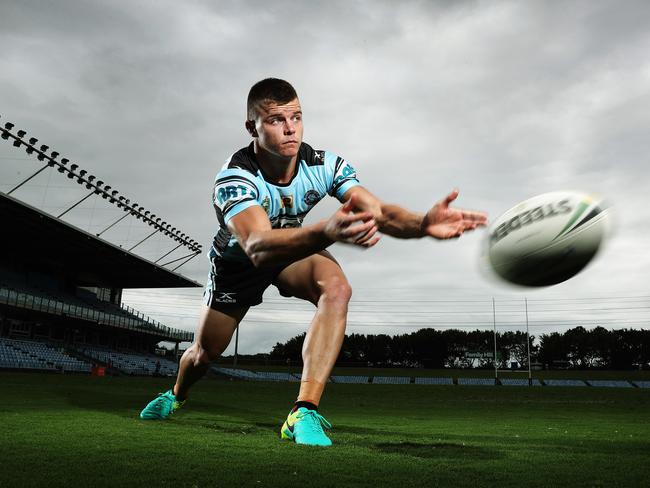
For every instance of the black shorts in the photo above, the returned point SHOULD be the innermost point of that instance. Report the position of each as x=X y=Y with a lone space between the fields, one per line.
x=234 y=284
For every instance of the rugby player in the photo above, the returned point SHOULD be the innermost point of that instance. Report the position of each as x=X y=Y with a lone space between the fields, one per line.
x=261 y=196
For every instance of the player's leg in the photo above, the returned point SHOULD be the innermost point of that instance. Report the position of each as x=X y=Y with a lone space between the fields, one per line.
x=319 y=280
x=213 y=336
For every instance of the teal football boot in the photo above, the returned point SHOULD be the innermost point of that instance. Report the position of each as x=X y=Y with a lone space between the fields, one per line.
x=161 y=407
x=304 y=426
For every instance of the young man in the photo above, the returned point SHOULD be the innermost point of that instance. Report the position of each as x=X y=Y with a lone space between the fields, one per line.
x=261 y=196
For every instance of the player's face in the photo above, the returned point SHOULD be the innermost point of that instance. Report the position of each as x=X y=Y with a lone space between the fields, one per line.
x=279 y=128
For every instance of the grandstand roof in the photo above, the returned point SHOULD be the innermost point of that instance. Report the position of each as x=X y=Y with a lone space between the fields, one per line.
x=50 y=245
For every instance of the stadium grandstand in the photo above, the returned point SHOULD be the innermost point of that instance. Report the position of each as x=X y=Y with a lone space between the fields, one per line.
x=61 y=287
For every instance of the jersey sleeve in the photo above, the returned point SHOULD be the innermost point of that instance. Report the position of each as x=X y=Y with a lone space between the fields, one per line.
x=235 y=190
x=341 y=175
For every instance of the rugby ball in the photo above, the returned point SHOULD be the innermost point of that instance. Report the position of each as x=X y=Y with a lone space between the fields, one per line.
x=546 y=239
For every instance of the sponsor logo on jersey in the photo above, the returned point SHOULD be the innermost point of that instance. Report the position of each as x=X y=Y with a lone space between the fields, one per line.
x=266 y=204
x=528 y=217
x=312 y=197
x=287 y=201
x=234 y=192
x=346 y=172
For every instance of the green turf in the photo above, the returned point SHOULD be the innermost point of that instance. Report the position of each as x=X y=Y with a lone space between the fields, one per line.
x=82 y=431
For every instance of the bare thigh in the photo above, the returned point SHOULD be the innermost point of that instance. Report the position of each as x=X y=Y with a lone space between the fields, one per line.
x=309 y=278
x=216 y=329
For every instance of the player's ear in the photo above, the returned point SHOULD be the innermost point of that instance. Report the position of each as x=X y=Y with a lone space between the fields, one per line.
x=250 y=127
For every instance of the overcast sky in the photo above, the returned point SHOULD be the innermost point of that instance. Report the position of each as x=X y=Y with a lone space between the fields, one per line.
x=504 y=100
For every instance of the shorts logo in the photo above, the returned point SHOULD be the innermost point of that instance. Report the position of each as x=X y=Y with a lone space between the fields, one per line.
x=312 y=197
x=287 y=201
x=223 y=297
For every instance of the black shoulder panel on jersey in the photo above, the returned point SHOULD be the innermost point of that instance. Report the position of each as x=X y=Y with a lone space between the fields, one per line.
x=311 y=156
x=244 y=159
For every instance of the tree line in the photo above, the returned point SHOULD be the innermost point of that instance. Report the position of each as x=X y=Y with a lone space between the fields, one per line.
x=578 y=348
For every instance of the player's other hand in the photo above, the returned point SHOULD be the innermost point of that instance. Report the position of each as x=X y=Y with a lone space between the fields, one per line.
x=359 y=229
x=444 y=222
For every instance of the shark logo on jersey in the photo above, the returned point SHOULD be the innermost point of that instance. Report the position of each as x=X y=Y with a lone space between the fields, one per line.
x=312 y=197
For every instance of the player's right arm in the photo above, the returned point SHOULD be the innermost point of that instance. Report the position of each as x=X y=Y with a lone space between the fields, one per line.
x=266 y=246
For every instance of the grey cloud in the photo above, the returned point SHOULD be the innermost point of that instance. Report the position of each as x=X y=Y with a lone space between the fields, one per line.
x=503 y=99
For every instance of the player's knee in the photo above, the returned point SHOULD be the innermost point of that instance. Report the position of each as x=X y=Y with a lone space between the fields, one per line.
x=337 y=290
x=206 y=355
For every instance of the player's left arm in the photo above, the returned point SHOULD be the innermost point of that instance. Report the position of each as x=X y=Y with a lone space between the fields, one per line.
x=441 y=221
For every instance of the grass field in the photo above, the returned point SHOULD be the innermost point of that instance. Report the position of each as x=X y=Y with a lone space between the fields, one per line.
x=84 y=431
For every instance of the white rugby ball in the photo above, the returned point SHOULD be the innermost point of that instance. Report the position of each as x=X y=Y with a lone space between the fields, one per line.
x=547 y=239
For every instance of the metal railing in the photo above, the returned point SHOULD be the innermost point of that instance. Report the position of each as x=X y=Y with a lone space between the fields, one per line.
x=140 y=322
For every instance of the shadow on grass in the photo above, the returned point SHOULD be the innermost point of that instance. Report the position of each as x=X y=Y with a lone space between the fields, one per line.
x=353 y=429
x=438 y=450
x=241 y=427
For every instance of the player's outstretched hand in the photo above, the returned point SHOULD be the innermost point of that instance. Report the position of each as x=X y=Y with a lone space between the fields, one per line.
x=444 y=222
x=359 y=229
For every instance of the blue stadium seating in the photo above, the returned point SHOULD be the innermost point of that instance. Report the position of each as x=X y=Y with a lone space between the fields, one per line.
x=350 y=379
x=556 y=382
x=476 y=381
x=391 y=380
x=132 y=363
x=642 y=384
x=245 y=374
x=425 y=380
x=273 y=376
x=242 y=374
x=610 y=383
x=518 y=382
x=86 y=307
x=22 y=354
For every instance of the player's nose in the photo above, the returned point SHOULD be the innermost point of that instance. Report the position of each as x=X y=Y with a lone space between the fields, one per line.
x=289 y=127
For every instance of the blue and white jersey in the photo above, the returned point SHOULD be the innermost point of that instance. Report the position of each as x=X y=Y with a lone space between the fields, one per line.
x=241 y=183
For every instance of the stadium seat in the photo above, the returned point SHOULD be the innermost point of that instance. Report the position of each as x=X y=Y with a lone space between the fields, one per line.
x=391 y=380
x=555 y=382
x=642 y=384
x=273 y=376
x=610 y=383
x=476 y=381
x=425 y=380
x=518 y=382
x=38 y=355
x=350 y=379
x=242 y=374
x=132 y=363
